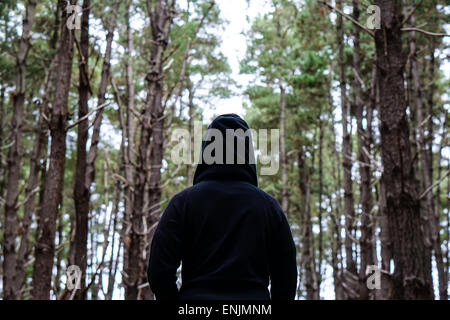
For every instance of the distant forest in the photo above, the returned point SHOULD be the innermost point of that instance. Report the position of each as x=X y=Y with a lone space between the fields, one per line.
x=91 y=92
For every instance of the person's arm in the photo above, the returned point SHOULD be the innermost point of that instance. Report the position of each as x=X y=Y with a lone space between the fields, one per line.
x=283 y=262
x=165 y=255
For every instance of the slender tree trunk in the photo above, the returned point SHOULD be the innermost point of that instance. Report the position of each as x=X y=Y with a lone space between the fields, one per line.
x=39 y=147
x=45 y=246
x=78 y=247
x=87 y=174
x=39 y=151
x=305 y=220
x=335 y=238
x=430 y=103
x=112 y=262
x=101 y=98
x=14 y=159
x=386 y=247
x=335 y=231
x=412 y=274
x=128 y=138
x=448 y=221
x=2 y=117
x=59 y=254
x=283 y=158
x=190 y=166
x=152 y=127
x=319 y=261
x=349 y=211
x=364 y=142
x=429 y=215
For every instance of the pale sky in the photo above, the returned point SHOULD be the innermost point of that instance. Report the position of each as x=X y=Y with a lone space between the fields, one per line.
x=234 y=46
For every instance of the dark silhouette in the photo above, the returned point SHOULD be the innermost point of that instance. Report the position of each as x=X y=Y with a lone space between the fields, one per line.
x=230 y=236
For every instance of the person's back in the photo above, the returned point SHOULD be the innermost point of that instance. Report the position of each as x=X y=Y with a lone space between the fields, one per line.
x=230 y=236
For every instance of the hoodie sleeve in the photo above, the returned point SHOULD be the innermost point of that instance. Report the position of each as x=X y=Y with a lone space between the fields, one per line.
x=165 y=254
x=283 y=262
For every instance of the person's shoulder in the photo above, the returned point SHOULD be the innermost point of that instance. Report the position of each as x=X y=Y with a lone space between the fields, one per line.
x=181 y=195
x=272 y=201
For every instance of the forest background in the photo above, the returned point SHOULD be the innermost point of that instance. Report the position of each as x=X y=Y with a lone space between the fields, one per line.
x=91 y=92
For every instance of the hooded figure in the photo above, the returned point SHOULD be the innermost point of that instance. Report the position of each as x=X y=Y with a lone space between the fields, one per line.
x=230 y=236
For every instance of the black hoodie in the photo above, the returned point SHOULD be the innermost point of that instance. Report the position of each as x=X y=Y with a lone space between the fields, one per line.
x=230 y=236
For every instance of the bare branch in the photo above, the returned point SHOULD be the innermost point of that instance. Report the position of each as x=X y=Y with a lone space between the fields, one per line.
x=434 y=34
x=348 y=17
x=87 y=116
x=434 y=185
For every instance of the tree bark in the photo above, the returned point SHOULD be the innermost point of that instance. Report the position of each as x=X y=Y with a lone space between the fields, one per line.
x=307 y=234
x=283 y=158
x=86 y=176
x=412 y=274
x=364 y=149
x=45 y=246
x=152 y=127
x=2 y=121
x=39 y=150
x=2 y=112
x=335 y=230
x=349 y=211
x=191 y=112
x=114 y=262
x=14 y=159
x=78 y=247
x=320 y=210
x=429 y=216
x=128 y=138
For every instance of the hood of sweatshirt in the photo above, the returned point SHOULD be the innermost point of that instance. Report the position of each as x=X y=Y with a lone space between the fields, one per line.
x=237 y=161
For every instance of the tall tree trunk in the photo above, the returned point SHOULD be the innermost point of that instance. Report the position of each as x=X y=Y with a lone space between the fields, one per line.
x=87 y=173
x=335 y=238
x=307 y=234
x=430 y=103
x=113 y=262
x=59 y=254
x=349 y=211
x=191 y=114
x=101 y=98
x=45 y=246
x=412 y=274
x=152 y=127
x=14 y=159
x=128 y=138
x=364 y=142
x=386 y=247
x=336 y=249
x=39 y=148
x=319 y=260
x=2 y=121
x=39 y=151
x=78 y=247
x=283 y=158
x=429 y=215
